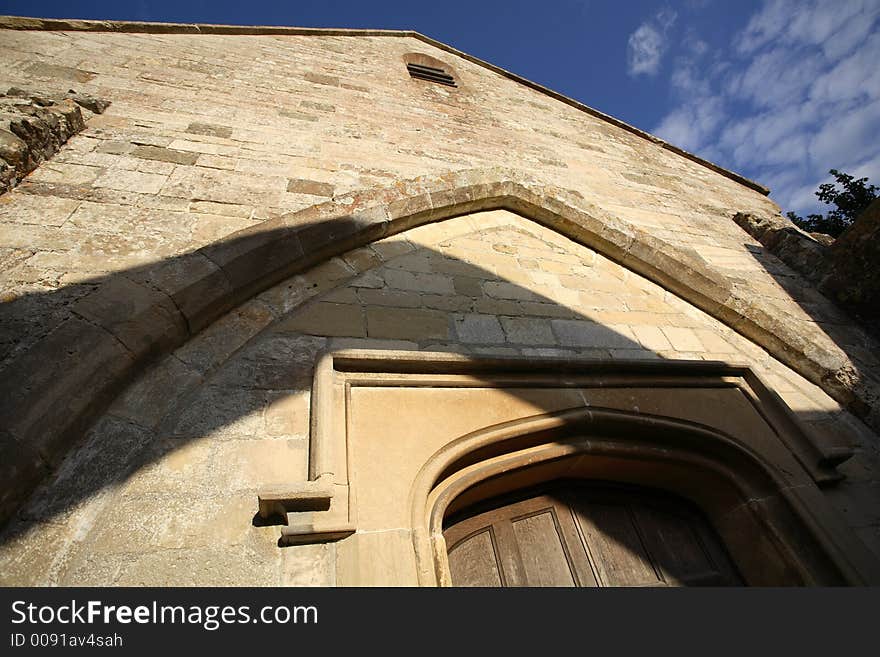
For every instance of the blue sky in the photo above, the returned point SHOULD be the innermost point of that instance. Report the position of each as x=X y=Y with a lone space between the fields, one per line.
x=778 y=90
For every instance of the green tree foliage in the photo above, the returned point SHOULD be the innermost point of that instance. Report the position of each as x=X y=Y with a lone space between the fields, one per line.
x=849 y=202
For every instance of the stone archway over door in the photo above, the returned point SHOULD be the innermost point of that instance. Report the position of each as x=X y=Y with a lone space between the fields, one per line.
x=579 y=534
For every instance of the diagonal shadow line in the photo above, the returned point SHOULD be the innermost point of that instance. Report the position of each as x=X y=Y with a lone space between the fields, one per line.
x=91 y=345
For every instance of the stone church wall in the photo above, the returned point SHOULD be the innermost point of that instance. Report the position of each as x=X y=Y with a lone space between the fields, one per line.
x=154 y=379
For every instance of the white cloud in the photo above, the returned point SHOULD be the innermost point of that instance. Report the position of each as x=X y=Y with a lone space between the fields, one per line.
x=646 y=47
x=780 y=76
x=869 y=169
x=857 y=75
x=797 y=94
x=648 y=44
x=832 y=24
x=689 y=127
x=848 y=139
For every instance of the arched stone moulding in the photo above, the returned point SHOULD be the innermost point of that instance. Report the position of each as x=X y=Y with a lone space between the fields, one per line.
x=255 y=258
x=131 y=320
x=753 y=471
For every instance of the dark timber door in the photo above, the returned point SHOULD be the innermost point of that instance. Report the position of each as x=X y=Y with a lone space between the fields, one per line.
x=587 y=535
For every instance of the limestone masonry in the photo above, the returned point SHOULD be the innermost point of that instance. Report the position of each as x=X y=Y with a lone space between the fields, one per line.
x=195 y=222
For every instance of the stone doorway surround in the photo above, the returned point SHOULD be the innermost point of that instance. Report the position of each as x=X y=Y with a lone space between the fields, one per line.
x=401 y=439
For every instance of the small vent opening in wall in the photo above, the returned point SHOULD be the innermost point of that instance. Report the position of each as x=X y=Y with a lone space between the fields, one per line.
x=431 y=74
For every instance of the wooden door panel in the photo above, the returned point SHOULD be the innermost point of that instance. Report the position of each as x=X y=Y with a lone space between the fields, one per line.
x=474 y=561
x=543 y=555
x=612 y=540
x=676 y=545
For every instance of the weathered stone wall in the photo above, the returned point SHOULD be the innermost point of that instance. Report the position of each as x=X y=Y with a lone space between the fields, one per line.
x=164 y=491
x=125 y=247
x=842 y=269
x=32 y=129
x=851 y=277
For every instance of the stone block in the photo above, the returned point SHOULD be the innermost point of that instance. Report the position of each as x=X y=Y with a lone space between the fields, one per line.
x=323 y=237
x=329 y=274
x=253 y=256
x=370 y=280
x=221 y=162
x=479 y=329
x=209 y=129
x=203 y=566
x=418 y=262
x=230 y=149
x=198 y=287
x=263 y=464
x=160 y=154
x=407 y=324
x=527 y=330
x=714 y=342
x=417 y=282
x=132 y=181
x=460 y=268
x=329 y=319
x=370 y=343
x=583 y=333
x=200 y=183
x=467 y=286
x=651 y=337
x=114 y=147
x=547 y=310
x=144 y=320
x=67 y=174
x=36 y=210
x=318 y=78
x=391 y=247
x=497 y=307
x=312 y=187
x=504 y=290
x=363 y=259
x=683 y=339
x=342 y=295
x=386 y=297
x=66 y=73
x=227 y=209
x=450 y=303
x=321 y=107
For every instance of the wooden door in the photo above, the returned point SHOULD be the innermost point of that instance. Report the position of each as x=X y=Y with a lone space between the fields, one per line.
x=587 y=535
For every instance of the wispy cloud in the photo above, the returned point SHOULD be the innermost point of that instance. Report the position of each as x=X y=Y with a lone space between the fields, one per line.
x=797 y=93
x=648 y=44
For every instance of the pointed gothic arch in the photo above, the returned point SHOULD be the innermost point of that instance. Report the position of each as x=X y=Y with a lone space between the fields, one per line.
x=154 y=309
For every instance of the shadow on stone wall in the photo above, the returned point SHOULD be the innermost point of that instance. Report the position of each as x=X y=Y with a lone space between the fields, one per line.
x=806 y=271
x=68 y=354
x=63 y=367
